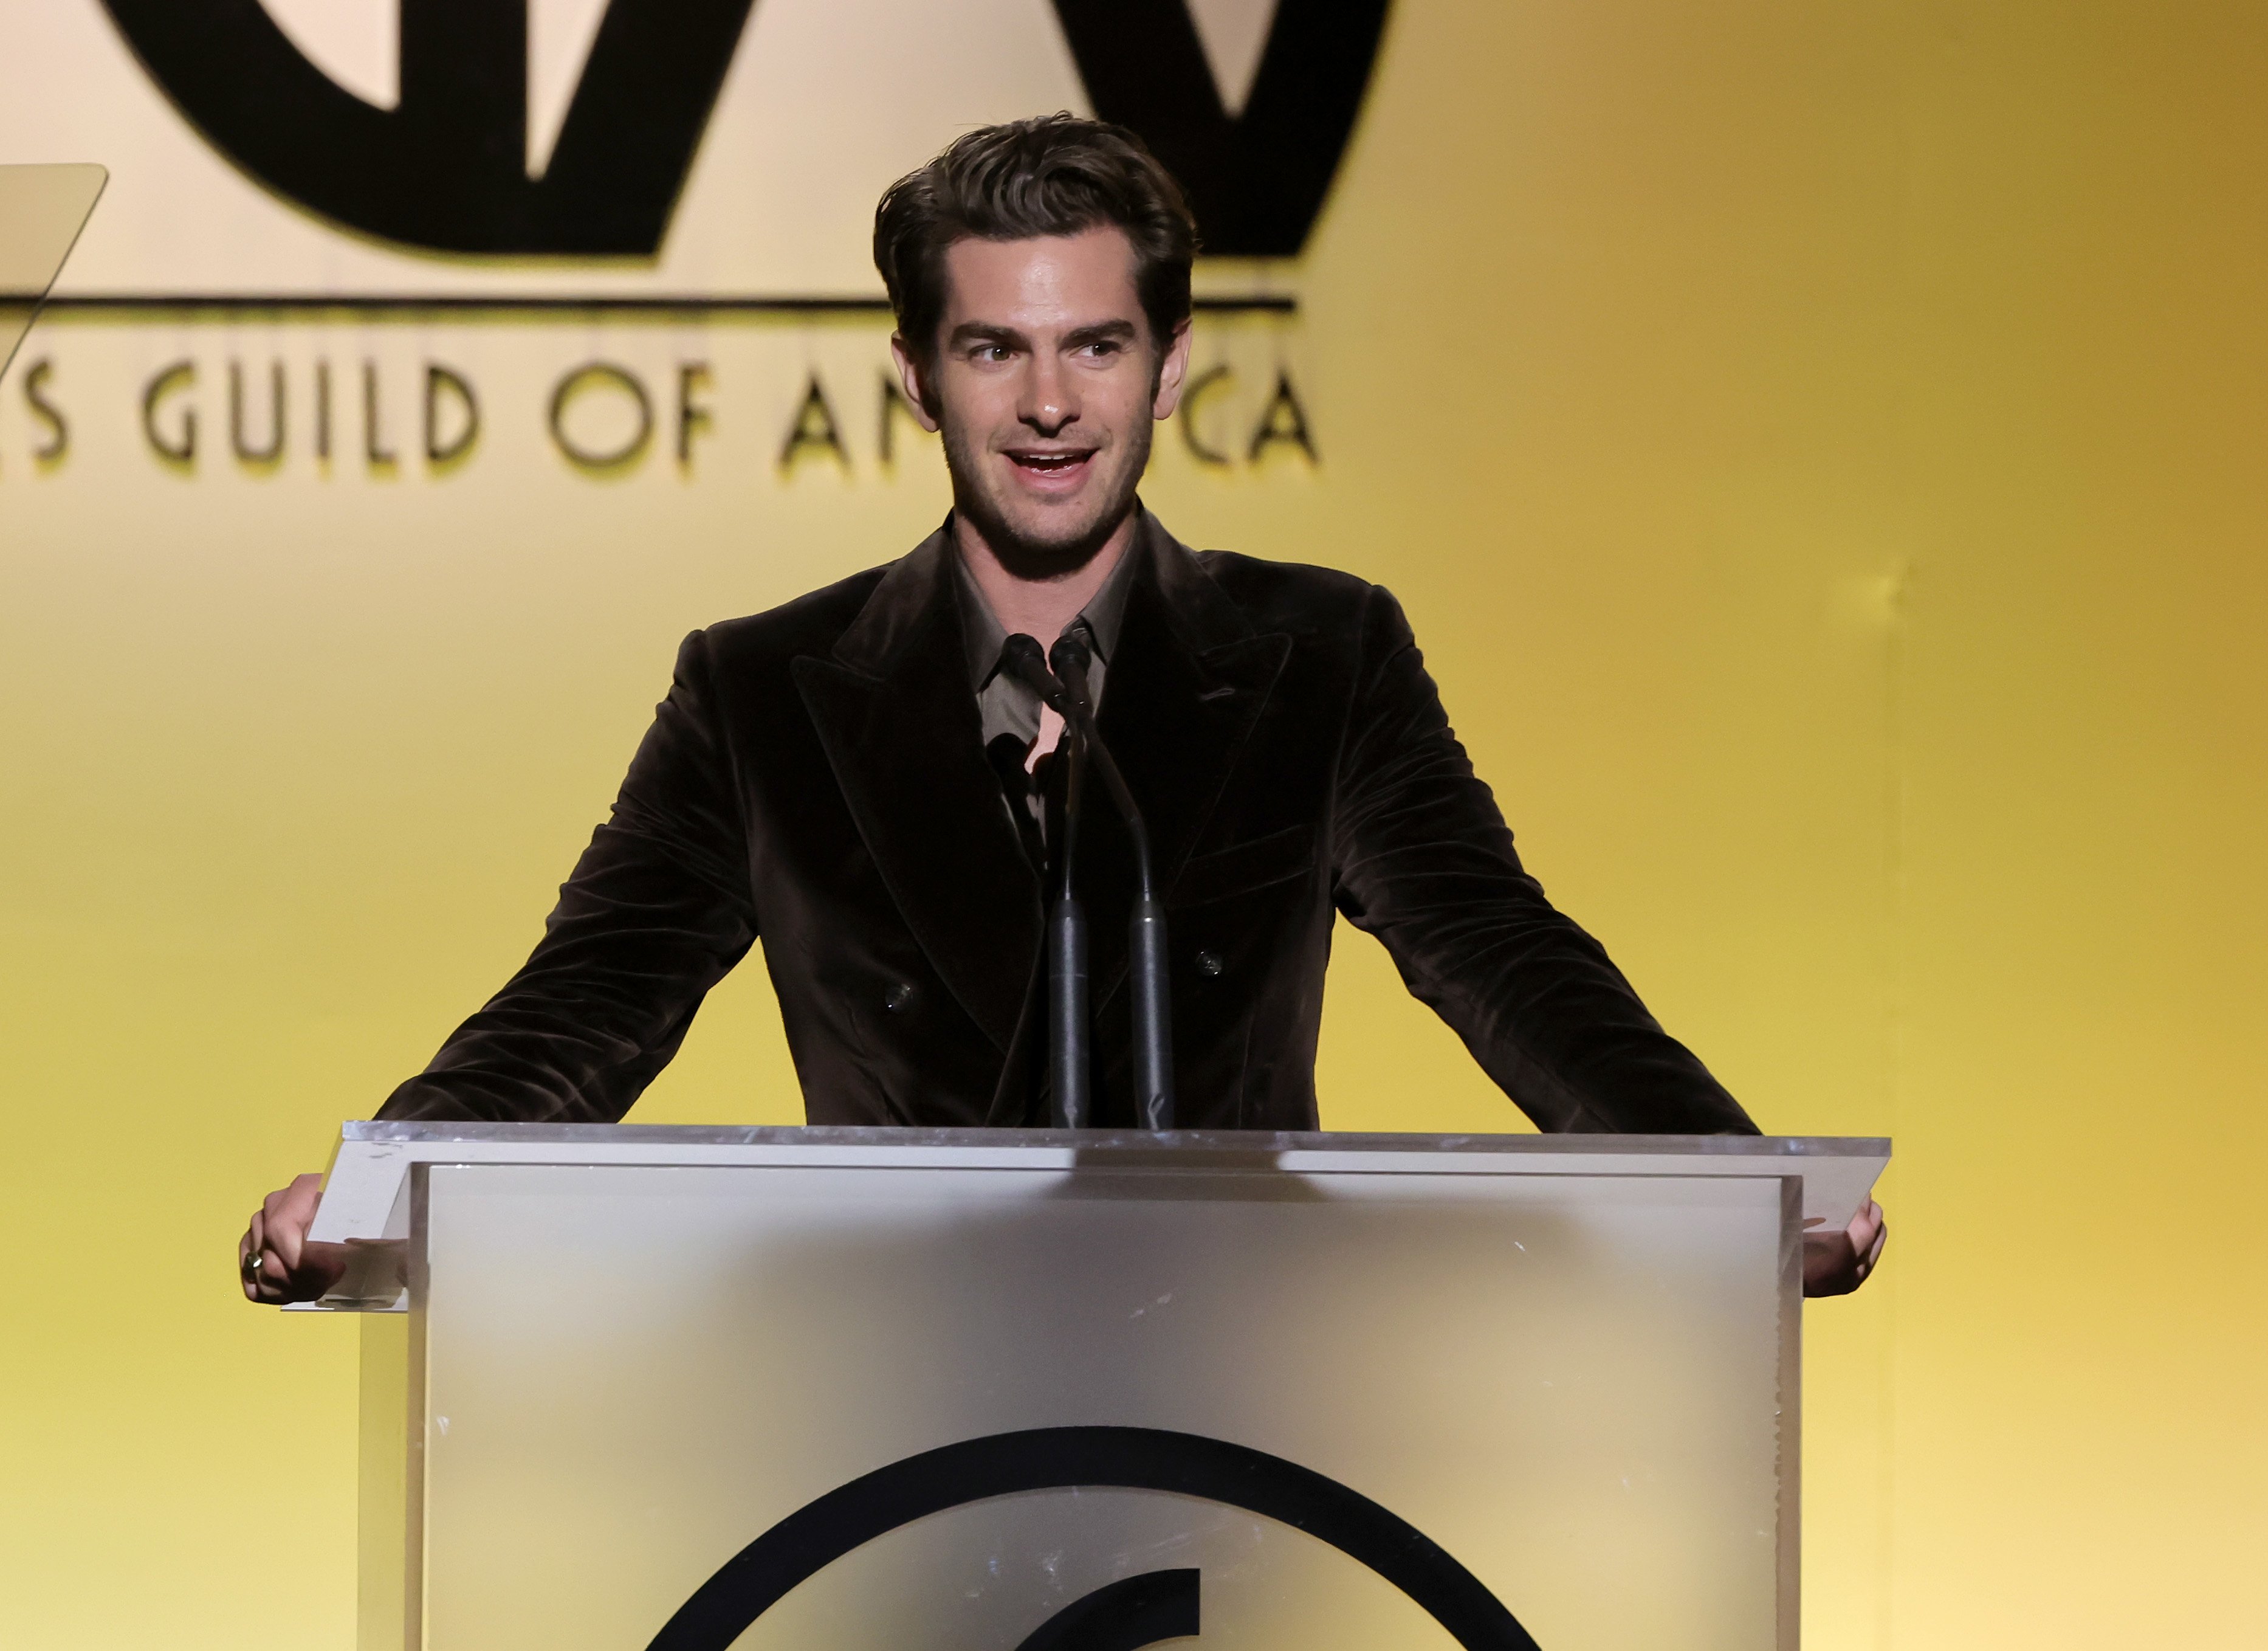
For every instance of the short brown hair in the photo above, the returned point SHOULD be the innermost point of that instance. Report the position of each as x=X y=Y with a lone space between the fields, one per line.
x=1053 y=174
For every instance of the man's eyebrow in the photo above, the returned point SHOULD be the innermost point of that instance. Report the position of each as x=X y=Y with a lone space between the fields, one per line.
x=985 y=332
x=1101 y=333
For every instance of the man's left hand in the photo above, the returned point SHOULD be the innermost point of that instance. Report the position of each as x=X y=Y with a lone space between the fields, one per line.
x=1835 y=1263
x=275 y=1261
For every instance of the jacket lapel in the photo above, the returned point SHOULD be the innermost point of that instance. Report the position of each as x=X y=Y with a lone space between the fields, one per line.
x=893 y=708
x=1190 y=679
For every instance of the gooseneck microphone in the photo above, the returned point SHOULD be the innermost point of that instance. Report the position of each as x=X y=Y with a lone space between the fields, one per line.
x=1146 y=932
x=1069 y=1067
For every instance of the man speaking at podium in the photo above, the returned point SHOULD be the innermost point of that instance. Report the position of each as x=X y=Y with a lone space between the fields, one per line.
x=860 y=779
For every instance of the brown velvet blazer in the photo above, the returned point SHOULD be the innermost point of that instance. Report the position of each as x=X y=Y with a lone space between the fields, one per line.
x=815 y=776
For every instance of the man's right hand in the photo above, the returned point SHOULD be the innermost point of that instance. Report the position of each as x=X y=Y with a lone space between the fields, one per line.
x=1835 y=1263
x=274 y=1260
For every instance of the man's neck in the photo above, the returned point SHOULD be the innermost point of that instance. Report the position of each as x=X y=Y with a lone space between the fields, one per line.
x=1040 y=608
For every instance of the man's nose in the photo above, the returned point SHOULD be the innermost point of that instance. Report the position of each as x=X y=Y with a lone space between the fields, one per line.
x=1050 y=400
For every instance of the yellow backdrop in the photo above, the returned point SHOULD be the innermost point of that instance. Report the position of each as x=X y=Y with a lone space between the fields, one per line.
x=1822 y=449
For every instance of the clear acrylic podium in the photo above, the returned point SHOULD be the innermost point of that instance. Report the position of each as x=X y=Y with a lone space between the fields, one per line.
x=42 y=208
x=895 y=1389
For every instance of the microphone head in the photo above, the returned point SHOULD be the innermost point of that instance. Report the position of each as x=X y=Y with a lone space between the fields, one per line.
x=1021 y=653
x=1071 y=657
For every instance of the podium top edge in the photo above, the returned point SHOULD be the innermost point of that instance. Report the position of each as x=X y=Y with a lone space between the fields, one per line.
x=364 y=1196
x=1105 y=1141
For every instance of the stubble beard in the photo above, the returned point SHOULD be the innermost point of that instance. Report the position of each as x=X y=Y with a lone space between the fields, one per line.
x=1031 y=556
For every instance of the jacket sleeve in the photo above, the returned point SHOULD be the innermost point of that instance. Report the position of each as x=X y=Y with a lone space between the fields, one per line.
x=658 y=910
x=1422 y=858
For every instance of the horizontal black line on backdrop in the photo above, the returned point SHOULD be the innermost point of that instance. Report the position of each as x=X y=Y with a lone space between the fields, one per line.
x=628 y=304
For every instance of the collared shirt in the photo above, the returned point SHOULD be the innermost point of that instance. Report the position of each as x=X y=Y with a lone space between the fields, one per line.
x=1005 y=703
x=1005 y=706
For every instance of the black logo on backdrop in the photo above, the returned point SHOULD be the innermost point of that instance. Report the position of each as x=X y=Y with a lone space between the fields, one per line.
x=1060 y=1459
x=1125 y=1615
x=445 y=168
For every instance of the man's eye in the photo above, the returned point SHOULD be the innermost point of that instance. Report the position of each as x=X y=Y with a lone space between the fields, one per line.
x=990 y=352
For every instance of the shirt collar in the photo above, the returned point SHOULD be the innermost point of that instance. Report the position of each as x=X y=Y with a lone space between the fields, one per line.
x=983 y=633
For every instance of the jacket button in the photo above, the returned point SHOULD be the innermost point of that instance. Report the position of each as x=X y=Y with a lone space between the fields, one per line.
x=1208 y=963
x=897 y=998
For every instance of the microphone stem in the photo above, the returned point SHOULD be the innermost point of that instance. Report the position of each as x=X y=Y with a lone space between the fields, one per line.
x=1069 y=1072
x=1124 y=798
x=1147 y=958
x=1074 y=750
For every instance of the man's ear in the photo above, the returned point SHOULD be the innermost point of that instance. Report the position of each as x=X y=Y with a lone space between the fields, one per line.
x=910 y=375
x=1171 y=371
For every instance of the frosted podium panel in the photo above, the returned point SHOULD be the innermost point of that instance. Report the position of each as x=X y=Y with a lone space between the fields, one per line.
x=978 y=1399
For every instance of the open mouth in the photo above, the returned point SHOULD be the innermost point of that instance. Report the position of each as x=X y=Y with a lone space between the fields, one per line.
x=1045 y=464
